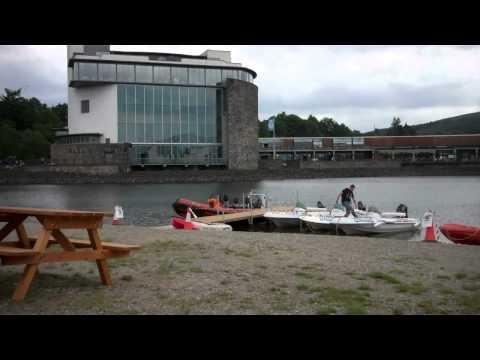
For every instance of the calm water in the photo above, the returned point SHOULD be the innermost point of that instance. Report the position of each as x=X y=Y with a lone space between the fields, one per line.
x=453 y=199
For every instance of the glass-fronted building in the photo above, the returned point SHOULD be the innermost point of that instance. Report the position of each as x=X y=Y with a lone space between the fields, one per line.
x=170 y=107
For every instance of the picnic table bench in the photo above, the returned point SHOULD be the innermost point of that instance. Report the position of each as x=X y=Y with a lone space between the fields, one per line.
x=31 y=251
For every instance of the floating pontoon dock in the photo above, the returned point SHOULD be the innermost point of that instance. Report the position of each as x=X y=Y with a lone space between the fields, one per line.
x=240 y=216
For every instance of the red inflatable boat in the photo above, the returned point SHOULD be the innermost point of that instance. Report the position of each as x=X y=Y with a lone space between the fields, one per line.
x=201 y=209
x=461 y=234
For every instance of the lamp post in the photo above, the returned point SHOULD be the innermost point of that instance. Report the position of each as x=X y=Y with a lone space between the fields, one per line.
x=271 y=127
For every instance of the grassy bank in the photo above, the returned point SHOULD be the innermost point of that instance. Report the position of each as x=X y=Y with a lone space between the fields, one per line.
x=258 y=273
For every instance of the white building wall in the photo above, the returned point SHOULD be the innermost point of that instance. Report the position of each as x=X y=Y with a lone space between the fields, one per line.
x=103 y=114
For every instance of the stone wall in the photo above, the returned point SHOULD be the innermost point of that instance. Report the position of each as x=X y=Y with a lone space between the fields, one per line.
x=89 y=154
x=240 y=125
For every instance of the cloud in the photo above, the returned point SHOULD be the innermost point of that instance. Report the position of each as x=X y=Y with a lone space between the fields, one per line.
x=357 y=85
x=39 y=70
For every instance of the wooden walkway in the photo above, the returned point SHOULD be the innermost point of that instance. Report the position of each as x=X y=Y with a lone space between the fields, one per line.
x=244 y=215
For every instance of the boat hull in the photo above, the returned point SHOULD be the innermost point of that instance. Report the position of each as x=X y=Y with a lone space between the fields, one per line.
x=285 y=222
x=200 y=209
x=182 y=224
x=461 y=234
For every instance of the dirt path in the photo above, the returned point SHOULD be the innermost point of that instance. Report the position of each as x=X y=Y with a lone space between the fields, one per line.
x=257 y=273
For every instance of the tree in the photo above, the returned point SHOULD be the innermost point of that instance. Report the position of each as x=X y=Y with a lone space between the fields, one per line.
x=26 y=125
x=396 y=128
x=290 y=125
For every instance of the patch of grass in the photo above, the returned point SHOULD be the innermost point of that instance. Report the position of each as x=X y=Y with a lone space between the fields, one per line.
x=377 y=275
x=245 y=254
x=475 y=276
x=196 y=269
x=304 y=275
x=397 y=311
x=364 y=287
x=167 y=245
x=246 y=303
x=471 y=287
x=308 y=267
x=327 y=310
x=165 y=266
x=352 y=301
x=446 y=291
x=429 y=308
x=350 y=273
x=415 y=288
x=443 y=277
x=398 y=271
x=303 y=287
x=358 y=277
x=470 y=303
x=228 y=251
x=460 y=275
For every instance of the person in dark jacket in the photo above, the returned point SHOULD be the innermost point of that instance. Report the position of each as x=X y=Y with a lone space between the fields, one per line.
x=348 y=198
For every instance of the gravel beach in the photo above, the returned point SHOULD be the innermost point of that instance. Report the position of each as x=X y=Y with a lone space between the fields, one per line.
x=188 y=272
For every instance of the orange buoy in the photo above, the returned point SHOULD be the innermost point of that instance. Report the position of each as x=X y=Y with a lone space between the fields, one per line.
x=429 y=226
x=430 y=233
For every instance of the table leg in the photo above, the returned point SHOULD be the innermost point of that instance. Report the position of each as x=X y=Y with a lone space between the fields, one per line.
x=101 y=264
x=31 y=269
x=11 y=225
x=23 y=236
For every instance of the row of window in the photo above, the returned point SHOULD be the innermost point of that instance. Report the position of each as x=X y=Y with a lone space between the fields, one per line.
x=177 y=154
x=77 y=139
x=158 y=74
x=169 y=114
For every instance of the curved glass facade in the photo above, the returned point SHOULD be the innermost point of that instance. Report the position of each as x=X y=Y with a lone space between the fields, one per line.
x=157 y=74
x=171 y=124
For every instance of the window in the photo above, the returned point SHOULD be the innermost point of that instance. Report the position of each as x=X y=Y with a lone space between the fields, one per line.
x=85 y=106
x=143 y=73
x=179 y=75
x=161 y=74
x=107 y=72
x=87 y=71
x=243 y=75
x=213 y=76
x=227 y=74
x=125 y=73
x=196 y=76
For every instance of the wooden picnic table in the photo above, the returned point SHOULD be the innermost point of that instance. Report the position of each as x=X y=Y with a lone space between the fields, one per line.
x=32 y=251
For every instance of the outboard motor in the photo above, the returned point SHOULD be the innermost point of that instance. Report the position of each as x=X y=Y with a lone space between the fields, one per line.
x=361 y=206
x=403 y=209
x=226 y=202
x=235 y=203
x=320 y=204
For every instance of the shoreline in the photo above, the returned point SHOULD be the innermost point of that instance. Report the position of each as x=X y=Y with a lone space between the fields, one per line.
x=179 y=272
x=192 y=176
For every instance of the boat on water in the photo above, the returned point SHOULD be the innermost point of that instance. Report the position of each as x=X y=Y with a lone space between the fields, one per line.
x=215 y=207
x=461 y=234
x=374 y=223
x=365 y=223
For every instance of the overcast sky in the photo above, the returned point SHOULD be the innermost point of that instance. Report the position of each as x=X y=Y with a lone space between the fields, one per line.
x=361 y=86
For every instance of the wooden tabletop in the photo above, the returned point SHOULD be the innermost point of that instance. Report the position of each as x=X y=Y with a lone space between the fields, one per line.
x=50 y=212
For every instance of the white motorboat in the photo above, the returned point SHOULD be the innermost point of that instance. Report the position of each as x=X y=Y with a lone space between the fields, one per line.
x=374 y=223
x=292 y=218
x=285 y=218
x=365 y=223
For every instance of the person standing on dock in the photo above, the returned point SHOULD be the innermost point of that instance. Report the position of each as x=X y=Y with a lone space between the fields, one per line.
x=347 y=199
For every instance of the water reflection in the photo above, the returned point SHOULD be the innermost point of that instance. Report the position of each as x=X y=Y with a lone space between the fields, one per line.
x=453 y=199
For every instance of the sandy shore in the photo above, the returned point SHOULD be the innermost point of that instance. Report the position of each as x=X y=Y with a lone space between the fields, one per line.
x=257 y=273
